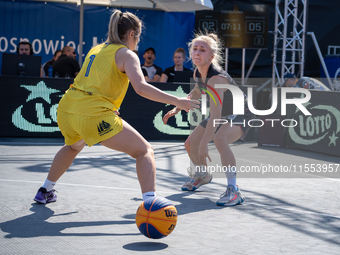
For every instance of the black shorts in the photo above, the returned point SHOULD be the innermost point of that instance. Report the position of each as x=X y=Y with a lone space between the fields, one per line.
x=236 y=120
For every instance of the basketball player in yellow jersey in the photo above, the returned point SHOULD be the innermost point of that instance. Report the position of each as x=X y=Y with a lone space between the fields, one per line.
x=86 y=112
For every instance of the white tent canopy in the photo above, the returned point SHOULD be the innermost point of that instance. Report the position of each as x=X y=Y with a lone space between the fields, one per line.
x=163 y=5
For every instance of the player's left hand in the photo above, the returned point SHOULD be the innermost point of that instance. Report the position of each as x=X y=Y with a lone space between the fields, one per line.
x=170 y=113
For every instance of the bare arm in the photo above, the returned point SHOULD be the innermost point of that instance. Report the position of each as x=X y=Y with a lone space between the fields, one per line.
x=215 y=109
x=215 y=113
x=156 y=78
x=128 y=61
x=164 y=78
x=42 y=72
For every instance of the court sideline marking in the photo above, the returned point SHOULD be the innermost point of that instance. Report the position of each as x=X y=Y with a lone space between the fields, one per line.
x=203 y=196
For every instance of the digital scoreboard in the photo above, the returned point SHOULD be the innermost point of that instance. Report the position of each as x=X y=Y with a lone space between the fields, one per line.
x=238 y=29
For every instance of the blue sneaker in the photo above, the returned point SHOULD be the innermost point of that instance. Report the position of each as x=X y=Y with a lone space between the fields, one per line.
x=44 y=197
x=231 y=197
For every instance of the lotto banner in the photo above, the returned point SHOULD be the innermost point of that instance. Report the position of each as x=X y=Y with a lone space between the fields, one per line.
x=29 y=109
x=319 y=131
x=29 y=106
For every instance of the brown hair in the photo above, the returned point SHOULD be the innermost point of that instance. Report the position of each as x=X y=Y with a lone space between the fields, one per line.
x=180 y=50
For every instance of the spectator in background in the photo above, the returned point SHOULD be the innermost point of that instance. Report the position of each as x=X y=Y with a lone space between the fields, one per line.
x=66 y=66
x=154 y=72
x=290 y=80
x=145 y=73
x=25 y=48
x=169 y=73
x=49 y=63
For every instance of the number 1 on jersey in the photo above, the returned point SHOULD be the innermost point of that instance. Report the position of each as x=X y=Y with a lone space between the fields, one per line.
x=89 y=65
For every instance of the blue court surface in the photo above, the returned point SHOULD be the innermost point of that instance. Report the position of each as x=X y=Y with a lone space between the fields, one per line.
x=289 y=209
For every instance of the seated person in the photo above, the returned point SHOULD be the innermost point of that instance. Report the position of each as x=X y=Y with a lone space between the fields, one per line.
x=290 y=80
x=25 y=48
x=154 y=72
x=50 y=62
x=169 y=73
x=66 y=66
x=145 y=73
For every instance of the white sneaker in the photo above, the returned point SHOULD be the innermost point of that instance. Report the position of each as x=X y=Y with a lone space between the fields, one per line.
x=193 y=182
x=231 y=197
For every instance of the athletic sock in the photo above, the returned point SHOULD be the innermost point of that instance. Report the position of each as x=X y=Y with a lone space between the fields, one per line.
x=48 y=185
x=149 y=194
x=231 y=176
x=200 y=170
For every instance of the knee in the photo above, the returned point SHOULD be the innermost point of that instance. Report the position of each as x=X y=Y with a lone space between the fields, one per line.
x=146 y=151
x=149 y=150
x=78 y=146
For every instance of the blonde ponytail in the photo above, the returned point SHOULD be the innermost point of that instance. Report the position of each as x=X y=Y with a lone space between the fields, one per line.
x=120 y=24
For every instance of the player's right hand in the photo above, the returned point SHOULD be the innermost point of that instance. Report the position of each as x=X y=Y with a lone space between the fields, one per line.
x=170 y=113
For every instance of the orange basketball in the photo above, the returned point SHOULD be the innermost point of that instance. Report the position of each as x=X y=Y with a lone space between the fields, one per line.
x=156 y=217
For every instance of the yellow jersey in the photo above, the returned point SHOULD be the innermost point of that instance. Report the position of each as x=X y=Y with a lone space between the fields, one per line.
x=99 y=87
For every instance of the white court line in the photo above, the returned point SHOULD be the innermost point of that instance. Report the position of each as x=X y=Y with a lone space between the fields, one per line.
x=158 y=144
x=29 y=143
x=203 y=196
x=71 y=184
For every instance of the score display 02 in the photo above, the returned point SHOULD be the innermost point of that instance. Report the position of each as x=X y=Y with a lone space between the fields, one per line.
x=239 y=29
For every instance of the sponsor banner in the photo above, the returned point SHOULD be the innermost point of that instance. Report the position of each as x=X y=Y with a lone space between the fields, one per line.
x=29 y=109
x=29 y=106
x=319 y=131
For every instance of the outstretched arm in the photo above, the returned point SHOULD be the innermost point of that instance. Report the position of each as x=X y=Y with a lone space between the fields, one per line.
x=129 y=62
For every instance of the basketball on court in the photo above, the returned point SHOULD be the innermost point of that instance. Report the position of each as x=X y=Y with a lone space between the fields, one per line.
x=156 y=217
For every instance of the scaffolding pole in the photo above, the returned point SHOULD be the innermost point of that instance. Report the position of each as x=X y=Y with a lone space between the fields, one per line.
x=289 y=39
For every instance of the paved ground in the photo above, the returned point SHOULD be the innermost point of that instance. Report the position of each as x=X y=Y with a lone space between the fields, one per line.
x=289 y=213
